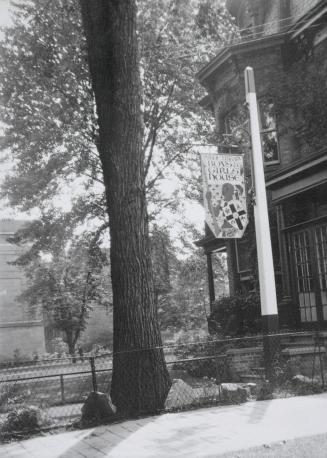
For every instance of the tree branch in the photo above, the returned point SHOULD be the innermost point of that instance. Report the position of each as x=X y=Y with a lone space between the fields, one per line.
x=93 y=178
x=150 y=155
x=154 y=129
x=153 y=181
x=83 y=308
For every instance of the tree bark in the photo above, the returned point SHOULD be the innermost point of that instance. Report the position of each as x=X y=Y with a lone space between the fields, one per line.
x=140 y=380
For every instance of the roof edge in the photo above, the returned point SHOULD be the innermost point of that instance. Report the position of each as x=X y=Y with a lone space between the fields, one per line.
x=229 y=51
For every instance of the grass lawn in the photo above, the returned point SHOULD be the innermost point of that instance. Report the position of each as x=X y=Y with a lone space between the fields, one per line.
x=304 y=447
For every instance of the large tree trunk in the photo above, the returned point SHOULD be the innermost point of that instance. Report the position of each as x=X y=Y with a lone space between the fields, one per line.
x=140 y=380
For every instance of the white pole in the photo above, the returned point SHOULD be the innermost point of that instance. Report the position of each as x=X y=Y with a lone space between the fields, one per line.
x=262 y=230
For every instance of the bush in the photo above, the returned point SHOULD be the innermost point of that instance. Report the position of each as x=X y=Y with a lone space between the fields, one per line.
x=60 y=347
x=237 y=315
x=27 y=418
x=98 y=350
x=215 y=366
x=17 y=356
x=7 y=392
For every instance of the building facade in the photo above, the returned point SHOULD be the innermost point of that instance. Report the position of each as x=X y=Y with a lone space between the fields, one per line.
x=21 y=330
x=285 y=42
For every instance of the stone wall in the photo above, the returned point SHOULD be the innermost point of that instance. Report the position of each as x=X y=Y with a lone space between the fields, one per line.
x=272 y=18
x=241 y=361
x=298 y=360
x=303 y=360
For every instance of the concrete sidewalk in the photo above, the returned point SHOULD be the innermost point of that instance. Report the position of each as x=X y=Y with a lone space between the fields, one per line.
x=208 y=432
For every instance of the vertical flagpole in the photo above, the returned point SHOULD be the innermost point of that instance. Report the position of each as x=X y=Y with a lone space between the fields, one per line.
x=265 y=260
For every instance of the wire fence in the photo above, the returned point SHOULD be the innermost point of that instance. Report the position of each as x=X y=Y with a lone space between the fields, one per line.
x=52 y=392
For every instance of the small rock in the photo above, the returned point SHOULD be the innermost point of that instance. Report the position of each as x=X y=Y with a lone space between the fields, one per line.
x=206 y=393
x=301 y=379
x=180 y=395
x=98 y=406
x=233 y=393
x=251 y=388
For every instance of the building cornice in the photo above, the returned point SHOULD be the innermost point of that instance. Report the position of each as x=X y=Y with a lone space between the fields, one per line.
x=253 y=44
x=297 y=168
x=304 y=22
x=236 y=49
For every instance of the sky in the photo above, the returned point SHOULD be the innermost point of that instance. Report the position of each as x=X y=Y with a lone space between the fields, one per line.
x=4 y=13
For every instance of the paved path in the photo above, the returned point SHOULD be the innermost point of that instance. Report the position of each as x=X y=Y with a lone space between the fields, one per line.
x=195 y=434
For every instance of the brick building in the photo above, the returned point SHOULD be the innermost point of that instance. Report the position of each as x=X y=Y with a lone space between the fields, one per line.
x=275 y=37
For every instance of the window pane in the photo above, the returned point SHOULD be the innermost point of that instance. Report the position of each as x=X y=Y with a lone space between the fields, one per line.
x=267 y=115
x=243 y=255
x=270 y=146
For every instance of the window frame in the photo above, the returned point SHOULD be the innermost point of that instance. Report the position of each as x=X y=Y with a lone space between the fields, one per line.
x=268 y=130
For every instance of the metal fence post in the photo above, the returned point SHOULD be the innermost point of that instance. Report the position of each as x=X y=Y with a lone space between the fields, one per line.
x=62 y=389
x=94 y=377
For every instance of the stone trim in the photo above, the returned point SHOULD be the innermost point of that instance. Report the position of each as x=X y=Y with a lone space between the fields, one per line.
x=21 y=324
x=242 y=351
x=303 y=350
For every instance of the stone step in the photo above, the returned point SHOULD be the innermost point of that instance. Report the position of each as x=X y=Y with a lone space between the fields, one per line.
x=295 y=338
x=258 y=370
x=297 y=344
x=303 y=350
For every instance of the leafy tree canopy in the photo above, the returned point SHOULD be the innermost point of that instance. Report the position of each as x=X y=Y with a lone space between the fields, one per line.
x=50 y=123
x=48 y=111
x=68 y=284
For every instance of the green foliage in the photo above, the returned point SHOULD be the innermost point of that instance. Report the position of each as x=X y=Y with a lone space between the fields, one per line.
x=51 y=137
x=25 y=418
x=205 y=359
x=161 y=255
x=181 y=284
x=17 y=356
x=177 y=38
x=8 y=392
x=66 y=284
x=48 y=110
x=50 y=127
x=59 y=347
x=237 y=315
x=184 y=306
x=48 y=107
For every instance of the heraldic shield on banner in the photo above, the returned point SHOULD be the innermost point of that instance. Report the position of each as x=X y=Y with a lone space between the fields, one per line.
x=224 y=194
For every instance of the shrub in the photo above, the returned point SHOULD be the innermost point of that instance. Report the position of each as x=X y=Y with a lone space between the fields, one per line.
x=27 y=418
x=98 y=350
x=215 y=366
x=60 y=347
x=17 y=355
x=237 y=315
x=7 y=392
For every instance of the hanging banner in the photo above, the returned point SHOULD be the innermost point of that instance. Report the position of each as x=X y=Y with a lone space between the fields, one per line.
x=224 y=194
